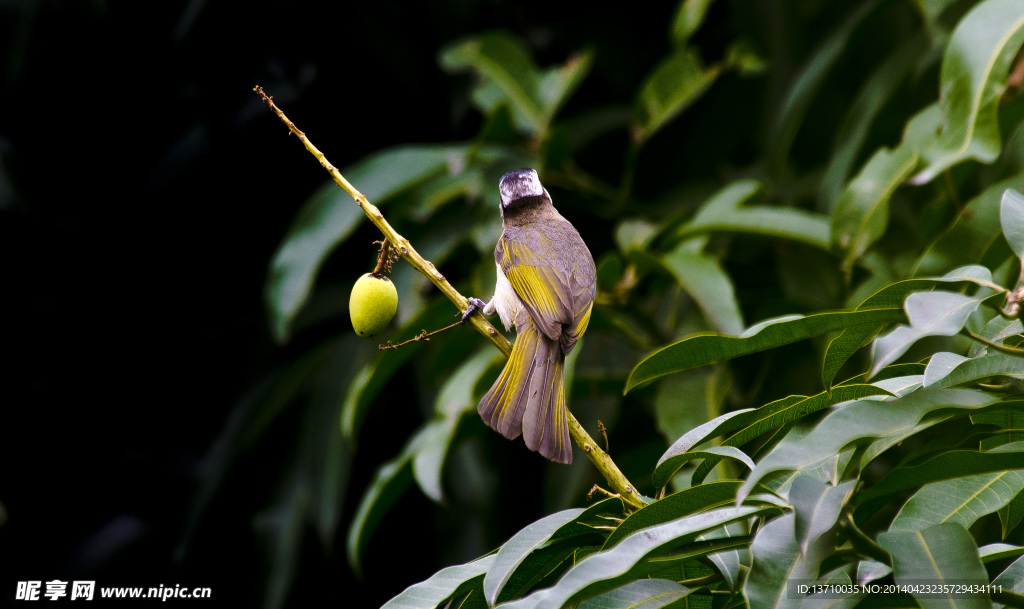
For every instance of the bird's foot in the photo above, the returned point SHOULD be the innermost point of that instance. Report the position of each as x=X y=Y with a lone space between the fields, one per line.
x=474 y=304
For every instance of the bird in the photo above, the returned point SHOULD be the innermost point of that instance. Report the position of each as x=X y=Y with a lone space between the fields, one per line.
x=546 y=285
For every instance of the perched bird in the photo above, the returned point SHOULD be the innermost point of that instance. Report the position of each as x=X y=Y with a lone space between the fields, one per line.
x=546 y=287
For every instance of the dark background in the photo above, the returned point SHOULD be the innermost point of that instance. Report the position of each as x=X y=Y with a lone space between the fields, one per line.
x=143 y=189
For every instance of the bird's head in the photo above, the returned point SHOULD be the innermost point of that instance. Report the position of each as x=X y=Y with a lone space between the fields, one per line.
x=521 y=187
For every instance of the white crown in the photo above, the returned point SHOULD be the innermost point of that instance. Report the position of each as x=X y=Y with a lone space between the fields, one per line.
x=519 y=183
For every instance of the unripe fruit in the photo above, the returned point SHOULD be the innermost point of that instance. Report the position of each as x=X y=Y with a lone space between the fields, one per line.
x=373 y=304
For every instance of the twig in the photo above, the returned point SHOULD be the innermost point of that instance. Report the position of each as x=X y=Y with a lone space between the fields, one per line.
x=598 y=457
x=604 y=432
x=1011 y=310
x=598 y=489
x=384 y=258
x=423 y=335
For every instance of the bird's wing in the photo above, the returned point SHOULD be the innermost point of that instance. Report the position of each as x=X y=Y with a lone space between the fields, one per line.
x=544 y=290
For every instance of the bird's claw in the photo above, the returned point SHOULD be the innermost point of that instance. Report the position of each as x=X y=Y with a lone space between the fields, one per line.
x=474 y=304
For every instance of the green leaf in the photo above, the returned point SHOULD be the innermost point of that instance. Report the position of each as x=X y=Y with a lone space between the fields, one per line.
x=936 y=313
x=999 y=551
x=862 y=213
x=284 y=525
x=1011 y=514
x=974 y=72
x=509 y=74
x=327 y=219
x=1011 y=218
x=779 y=561
x=942 y=554
x=444 y=584
x=1010 y=418
x=923 y=127
x=790 y=117
x=731 y=564
x=430 y=448
x=689 y=399
x=456 y=395
x=368 y=382
x=634 y=234
x=940 y=365
x=434 y=193
x=705 y=281
x=931 y=10
x=509 y=78
x=667 y=467
x=677 y=82
x=642 y=594
x=687 y=20
x=960 y=500
x=605 y=570
x=860 y=421
x=539 y=568
x=779 y=413
x=743 y=57
x=816 y=507
x=706 y=349
x=540 y=564
x=330 y=216
x=996 y=330
x=870 y=570
x=973 y=273
x=775 y=560
x=558 y=83
x=974 y=233
x=702 y=433
x=687 y=501
x=389 y=483
x=852 y=132
x=943 y=466
x=725 y=212
x=515 y=550
x=846 y=343
x=421 y=459
x=325 y=454
x=979 y=368
x=379 y=369
x=849 y=341
x=1012 y=577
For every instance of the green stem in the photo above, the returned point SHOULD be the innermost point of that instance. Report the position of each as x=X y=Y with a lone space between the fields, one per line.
x=997 y=346
x=700 y=582
x=600 y=459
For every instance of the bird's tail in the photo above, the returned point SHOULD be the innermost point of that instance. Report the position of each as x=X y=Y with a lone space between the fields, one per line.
x=529 y=396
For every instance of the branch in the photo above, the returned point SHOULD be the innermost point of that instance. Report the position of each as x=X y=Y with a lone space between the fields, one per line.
x=400 y=244
x=423 y=335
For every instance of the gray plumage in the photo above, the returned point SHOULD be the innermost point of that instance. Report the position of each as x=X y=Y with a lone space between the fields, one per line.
x=547 y=282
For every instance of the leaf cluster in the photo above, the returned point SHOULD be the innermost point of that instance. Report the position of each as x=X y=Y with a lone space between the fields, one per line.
x=867 y=427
